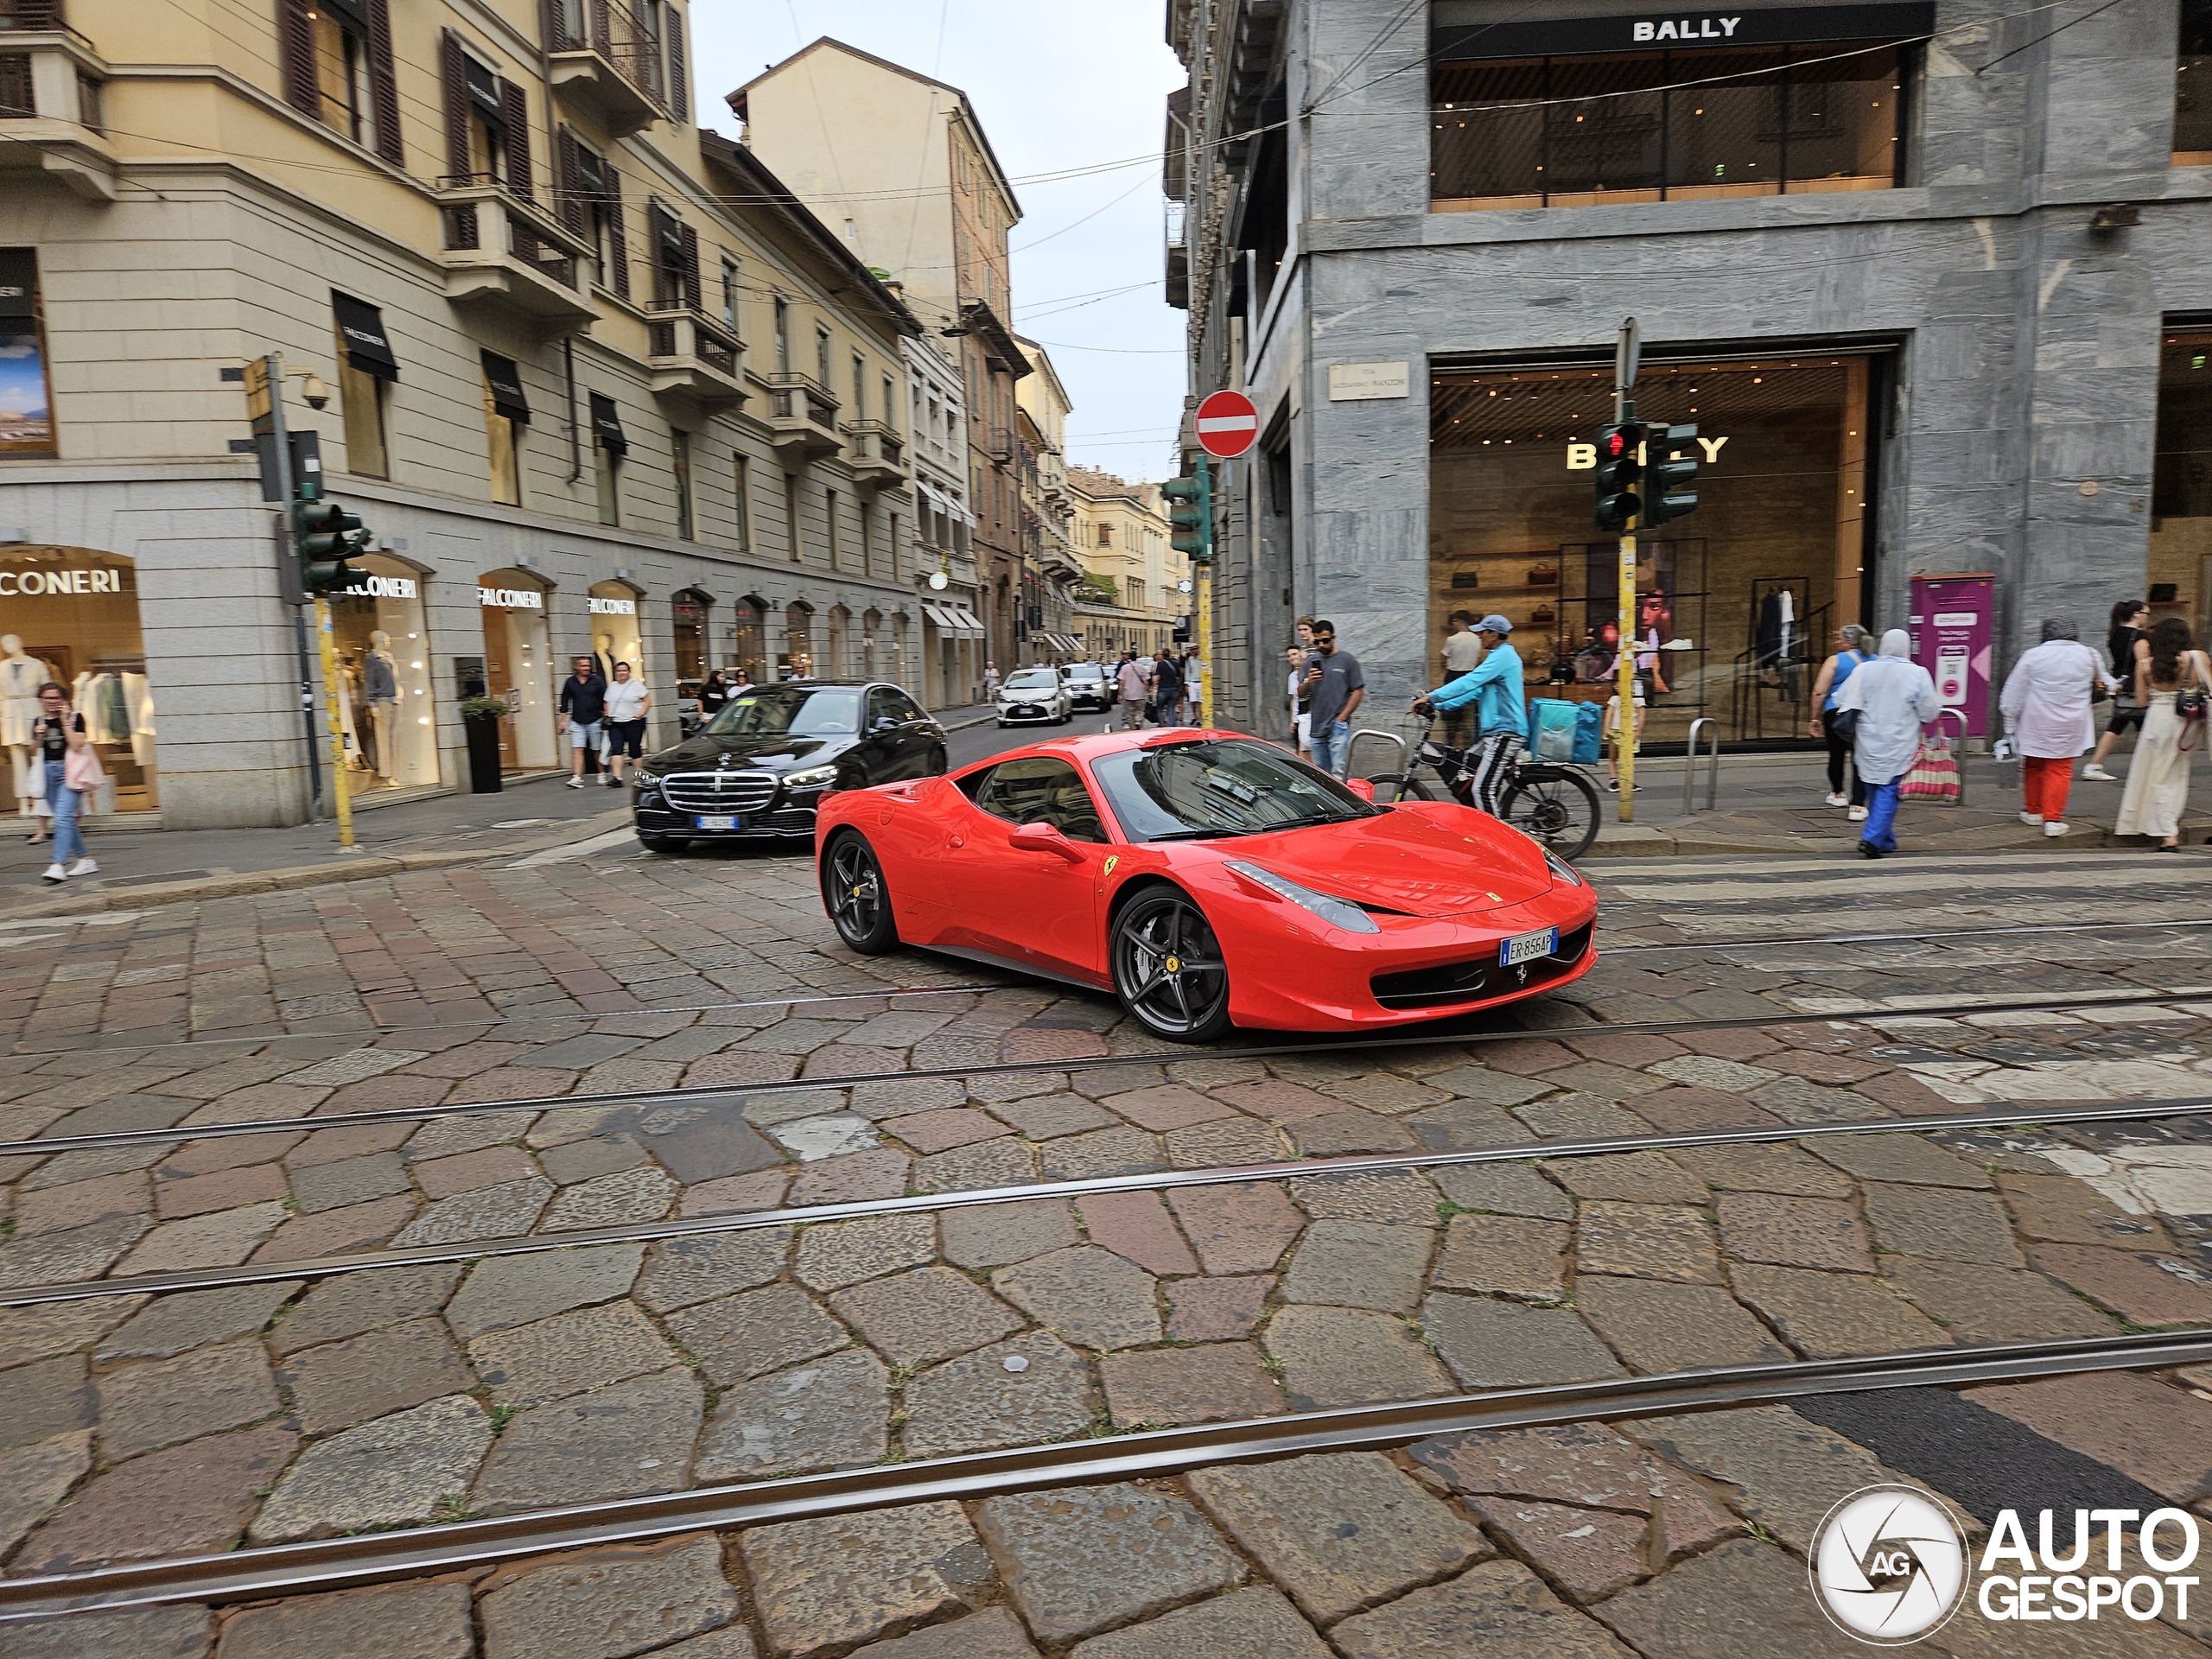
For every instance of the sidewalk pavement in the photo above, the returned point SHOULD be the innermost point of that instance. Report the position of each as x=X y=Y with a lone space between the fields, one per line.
x=1774 y=804
x=533 y=817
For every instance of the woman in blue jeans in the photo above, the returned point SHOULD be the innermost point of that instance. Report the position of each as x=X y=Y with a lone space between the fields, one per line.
x=58 y=732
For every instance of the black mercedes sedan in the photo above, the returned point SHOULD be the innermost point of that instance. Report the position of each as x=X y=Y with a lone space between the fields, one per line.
x=757 y=769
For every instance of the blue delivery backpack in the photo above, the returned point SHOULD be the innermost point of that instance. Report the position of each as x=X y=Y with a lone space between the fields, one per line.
x=1589 y=733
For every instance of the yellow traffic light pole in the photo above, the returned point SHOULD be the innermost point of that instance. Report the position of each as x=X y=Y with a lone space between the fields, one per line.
x=340 y=796
x=1625 y=735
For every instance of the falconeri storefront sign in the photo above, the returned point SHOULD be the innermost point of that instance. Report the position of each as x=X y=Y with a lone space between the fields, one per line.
x=1461 y=29
x=510 y=599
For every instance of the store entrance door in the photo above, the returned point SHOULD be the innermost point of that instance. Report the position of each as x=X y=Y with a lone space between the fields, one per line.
x=517 y=659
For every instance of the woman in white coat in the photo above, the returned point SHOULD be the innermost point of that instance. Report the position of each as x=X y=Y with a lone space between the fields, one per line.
x=1894 y=698
x=2046 y=705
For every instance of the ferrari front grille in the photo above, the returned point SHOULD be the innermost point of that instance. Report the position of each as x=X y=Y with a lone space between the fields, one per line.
x=719 y=791
x=1471 y=981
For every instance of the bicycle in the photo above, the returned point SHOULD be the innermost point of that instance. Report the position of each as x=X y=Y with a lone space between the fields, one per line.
x=1553 y=805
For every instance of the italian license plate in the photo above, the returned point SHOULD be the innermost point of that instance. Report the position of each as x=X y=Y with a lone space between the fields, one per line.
x=729 y=821
x=1527 y=947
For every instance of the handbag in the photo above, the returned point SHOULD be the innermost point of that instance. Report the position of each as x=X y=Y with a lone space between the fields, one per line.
x=1843 y=725
x=81 y=770
x=1935 y=773
x=2190 y=703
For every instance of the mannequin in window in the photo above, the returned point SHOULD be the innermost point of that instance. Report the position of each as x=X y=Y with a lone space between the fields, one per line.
x=380 y=687
x=21 y=676
x=603 y=644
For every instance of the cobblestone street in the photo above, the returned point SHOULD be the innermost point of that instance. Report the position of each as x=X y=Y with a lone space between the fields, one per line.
x=369 y=1271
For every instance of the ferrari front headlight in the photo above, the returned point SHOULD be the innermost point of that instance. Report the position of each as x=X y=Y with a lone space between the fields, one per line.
x=1565 y=871
x=1338 y=913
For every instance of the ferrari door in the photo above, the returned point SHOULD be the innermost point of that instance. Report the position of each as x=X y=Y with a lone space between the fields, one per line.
x=1030 y=902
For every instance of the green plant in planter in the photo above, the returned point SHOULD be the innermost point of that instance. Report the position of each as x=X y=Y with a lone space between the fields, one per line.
x=485 y=708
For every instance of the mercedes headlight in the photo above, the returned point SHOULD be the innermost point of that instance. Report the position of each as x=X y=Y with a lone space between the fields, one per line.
x=645 y=779
x=1338 y=913
x=1565 y=871
x=811 y=778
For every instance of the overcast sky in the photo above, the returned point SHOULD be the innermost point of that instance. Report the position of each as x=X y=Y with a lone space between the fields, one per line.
x=1056 y=86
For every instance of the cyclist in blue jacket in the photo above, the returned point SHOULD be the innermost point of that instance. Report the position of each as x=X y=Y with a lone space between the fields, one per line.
x=1496 y=688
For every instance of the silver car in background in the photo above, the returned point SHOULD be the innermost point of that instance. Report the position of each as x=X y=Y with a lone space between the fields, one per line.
x=1034 y=696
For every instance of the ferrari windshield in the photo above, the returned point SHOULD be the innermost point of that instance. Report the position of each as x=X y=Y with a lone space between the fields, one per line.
x=1188 y=791
x=790 y=711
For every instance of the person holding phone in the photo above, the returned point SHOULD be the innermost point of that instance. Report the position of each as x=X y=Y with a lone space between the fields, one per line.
x=59 y=731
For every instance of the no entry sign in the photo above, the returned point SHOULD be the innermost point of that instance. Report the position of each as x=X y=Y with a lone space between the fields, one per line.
x=1228 y=425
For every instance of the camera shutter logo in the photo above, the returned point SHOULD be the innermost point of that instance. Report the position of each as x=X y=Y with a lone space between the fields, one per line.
x=1889 y=1565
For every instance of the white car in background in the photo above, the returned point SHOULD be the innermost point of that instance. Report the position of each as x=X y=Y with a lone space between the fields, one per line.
x=1034 y=695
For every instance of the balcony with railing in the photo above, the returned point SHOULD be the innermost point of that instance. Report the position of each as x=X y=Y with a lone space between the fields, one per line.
x=878 y=456
x=802 y=415
x=603 y=60
x=505 y=252
x=693 y=357
x=50 y=94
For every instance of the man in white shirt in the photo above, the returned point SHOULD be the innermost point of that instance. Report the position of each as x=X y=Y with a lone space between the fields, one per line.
x=1463 y=654
x=1135 y=677
x=627 y=704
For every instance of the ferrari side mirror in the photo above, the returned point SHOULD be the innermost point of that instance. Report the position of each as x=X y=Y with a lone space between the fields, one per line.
x=1361 y=787
x=1041 y=838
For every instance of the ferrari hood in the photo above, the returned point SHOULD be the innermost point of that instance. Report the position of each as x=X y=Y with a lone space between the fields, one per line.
x=1428 y=860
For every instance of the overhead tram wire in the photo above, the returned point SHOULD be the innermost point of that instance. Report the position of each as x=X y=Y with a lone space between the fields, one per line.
x=267 y=1573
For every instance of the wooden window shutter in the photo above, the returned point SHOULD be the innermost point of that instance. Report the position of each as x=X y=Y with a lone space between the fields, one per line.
x=568 y=181
x=514 y=115
x=295 y=56
x=618 y=244
x=383 y=86
x=691 y=267
x=39 y=14
x=679 y=86
x=454 y=69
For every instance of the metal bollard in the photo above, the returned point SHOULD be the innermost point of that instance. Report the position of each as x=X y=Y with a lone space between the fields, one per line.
x=1712 y=767
x=1352 y=748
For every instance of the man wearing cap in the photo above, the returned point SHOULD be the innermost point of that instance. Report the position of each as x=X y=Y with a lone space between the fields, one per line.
x=1495 y=689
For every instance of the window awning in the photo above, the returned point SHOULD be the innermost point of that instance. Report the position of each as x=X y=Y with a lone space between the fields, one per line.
x=607 y=425
x=361 y=327
x=506 y=381
x=943 y=503
x=954 y=622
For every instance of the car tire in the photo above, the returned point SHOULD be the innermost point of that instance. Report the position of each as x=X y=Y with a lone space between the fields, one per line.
x=1159 y=926
x=855 y=895
x=667 y=846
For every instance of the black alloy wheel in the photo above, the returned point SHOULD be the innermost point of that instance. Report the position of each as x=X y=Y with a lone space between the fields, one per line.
x=1168 y=969
x=853 y=894
x=1556 y=805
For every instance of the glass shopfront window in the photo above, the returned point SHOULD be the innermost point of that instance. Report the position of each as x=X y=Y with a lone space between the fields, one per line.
x=2181 y=482
x=516 y=666
x=688 y=624
x=748 y=646
x=1737 y=604
x=70 y=615
x=26 y=408
x=1578 y=131
x=616 y=636
x=384 y=667
x=798 y=661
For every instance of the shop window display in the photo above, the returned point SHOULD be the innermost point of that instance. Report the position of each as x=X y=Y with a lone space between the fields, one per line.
x=72 y=617
x=616 y=635
x=2180 y=579
x=383 y=664
x=1735 y=604
x=798 y=661
x=748 y=648
x=688 y=627
x=516 y=666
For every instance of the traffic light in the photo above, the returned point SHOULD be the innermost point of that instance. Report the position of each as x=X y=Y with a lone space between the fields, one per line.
x=1670 y=470
x=1620 y=468
x=1190 y=513
x=325 y=535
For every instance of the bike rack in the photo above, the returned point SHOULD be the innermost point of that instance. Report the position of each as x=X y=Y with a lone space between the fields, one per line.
x=1959 y=748
x=1405 y=755
x=1712 y=767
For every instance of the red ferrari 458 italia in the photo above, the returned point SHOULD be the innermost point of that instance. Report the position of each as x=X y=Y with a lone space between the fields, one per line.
x=1208 y=879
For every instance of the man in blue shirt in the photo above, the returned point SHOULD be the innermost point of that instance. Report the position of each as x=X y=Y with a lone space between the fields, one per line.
x=1495 y=687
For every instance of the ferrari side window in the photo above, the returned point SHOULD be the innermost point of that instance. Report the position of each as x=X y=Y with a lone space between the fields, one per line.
x=1042 y=791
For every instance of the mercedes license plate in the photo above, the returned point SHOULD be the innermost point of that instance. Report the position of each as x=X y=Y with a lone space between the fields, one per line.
x=1527 y=947
x=728 y=821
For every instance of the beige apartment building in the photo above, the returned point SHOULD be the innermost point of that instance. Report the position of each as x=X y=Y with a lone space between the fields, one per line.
x=1053 y=567
x=595 y=379
x=1136 y=587
x=897 y=163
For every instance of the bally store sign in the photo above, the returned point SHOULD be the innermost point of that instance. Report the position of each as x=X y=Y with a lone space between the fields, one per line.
x=1461 y=29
